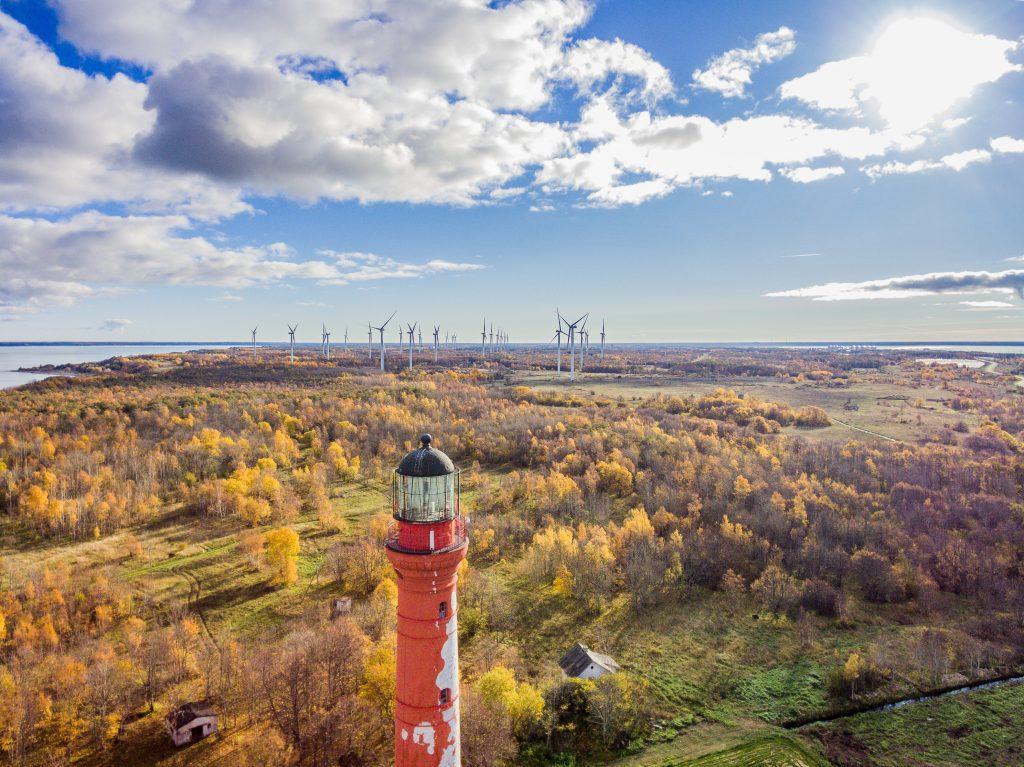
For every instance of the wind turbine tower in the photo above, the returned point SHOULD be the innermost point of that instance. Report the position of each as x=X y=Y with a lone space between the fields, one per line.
x=558 y=335
x=572 y=345
x=412 y=341
x=327 y=342
x=381 y=331
x=584 y=343
x=254 y=338
x=483 y=340
x=602 y=339
x=437 y=332
x=291 y=337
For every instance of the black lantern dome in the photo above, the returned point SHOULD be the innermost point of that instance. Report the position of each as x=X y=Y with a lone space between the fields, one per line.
x=426 y=486
x=425 y=461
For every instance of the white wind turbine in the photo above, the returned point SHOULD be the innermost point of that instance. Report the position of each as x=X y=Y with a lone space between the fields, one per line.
x=584 y=344
x=369 y=341
x=326 y=342
x=346 y=338
x=421 y=336
x=291 y=337
x=602 y=338
x=254 y=338
x=412 y=340
x=572 y=345
x=381 y=331
x=558 y=335
x=437 y=332
x=483 y=340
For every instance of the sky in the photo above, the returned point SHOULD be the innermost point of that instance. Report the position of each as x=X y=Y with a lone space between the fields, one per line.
x=686 y=171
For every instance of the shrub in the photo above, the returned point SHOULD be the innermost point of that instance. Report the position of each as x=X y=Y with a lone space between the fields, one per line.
x=821 y=598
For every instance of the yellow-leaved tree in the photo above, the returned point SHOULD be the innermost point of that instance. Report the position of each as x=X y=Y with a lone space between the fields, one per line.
x=520 y=701
x=378 y=685
x=281 y=554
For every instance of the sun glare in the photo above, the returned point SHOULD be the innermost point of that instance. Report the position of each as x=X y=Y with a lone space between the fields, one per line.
x=920 y=66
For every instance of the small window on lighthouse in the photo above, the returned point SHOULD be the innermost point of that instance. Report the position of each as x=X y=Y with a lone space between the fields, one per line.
x=446 y=695
x=442 y=611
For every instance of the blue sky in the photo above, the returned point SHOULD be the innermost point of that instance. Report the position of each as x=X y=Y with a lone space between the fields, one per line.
x=715 y=171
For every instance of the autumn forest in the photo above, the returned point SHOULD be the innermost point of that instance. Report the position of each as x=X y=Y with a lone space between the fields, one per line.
x=762 y=539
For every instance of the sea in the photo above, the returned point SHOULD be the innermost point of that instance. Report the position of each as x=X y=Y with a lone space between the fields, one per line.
x=14 y=356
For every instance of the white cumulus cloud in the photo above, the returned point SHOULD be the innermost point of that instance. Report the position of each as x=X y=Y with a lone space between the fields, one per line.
x=730 y=73
x=56 y=262
x=808 y=175
x=956 y=161
x=917 y=69
x=1007 y=145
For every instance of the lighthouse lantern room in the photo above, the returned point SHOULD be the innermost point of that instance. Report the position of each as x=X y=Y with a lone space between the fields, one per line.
x=426 y=543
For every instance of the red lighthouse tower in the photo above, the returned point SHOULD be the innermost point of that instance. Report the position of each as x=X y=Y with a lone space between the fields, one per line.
x=426 y=544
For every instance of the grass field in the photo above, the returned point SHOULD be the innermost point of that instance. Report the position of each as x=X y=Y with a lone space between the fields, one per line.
x=767 y=751
x=885 y=403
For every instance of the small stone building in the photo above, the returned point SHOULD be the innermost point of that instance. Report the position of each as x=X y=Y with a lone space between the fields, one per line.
x=340 y=606
x=191 y=722
x=583 y=663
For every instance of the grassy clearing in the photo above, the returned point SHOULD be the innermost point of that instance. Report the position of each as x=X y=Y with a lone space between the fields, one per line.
x=885 y=405
x=767 y=750
x=979 y=728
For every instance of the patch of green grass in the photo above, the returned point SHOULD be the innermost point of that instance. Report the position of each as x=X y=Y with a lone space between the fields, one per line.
x=783 y=692
x=979 y=728
x=765 y=751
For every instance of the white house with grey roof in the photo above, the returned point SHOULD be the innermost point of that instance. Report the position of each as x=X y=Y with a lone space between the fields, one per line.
x=191 y=722
x=583 y=663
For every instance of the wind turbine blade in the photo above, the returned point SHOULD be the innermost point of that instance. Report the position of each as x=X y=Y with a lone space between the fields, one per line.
x=389 y=319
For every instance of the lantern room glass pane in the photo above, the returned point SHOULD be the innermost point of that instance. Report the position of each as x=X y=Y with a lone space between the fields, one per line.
x=426 y=499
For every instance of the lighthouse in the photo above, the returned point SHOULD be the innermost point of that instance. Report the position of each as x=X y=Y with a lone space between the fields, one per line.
x=426 y=543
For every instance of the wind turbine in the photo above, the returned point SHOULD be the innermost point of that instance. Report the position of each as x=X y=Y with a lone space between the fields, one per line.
x=437 y=332
x=369 y=342
x=584 y=345
x=412 y=340
x=254 y=338
x=492 y=336
x=346 y=338
x=326 y=342
x=483 y=340
x=558 y=335
x=572 y=345
x=602 y=338
x=401 y=336
x=421 y=336
x=381 y=331
x=291 y=336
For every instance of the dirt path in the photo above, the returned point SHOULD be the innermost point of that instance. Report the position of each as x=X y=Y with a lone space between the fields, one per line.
x=865 y=431
x=195 y=589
